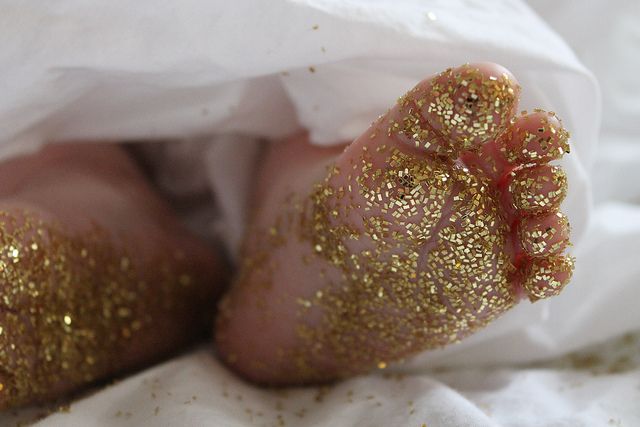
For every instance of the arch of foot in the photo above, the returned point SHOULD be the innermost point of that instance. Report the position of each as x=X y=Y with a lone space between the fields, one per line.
x=537 y=189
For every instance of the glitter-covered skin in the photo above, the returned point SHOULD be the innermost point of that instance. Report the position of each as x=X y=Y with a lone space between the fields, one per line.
x=96 y=276
x=434 y=222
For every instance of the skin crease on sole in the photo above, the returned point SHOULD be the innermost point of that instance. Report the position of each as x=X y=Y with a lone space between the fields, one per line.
x=435 y=221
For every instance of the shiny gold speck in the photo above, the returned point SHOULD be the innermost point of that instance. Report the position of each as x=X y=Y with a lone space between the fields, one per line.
x=61 y=324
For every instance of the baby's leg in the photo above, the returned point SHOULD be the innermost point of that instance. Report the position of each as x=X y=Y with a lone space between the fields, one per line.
x=97 y=275
x=435 y=221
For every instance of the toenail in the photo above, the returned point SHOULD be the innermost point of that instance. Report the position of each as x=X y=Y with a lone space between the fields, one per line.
x=546 y=277
x=537 y=189
x=546 y=235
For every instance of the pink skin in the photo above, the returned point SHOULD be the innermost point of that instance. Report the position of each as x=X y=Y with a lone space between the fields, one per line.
x=82 y=185
x=258 y=323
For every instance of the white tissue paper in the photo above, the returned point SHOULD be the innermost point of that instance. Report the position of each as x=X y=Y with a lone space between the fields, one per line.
x=211 y=78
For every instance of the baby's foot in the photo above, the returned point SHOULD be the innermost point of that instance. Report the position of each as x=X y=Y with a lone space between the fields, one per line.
x=97 y=275
x=434 y=222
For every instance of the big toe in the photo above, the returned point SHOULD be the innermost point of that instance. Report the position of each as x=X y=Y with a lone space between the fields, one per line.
x=471 y=104
x=457 y=110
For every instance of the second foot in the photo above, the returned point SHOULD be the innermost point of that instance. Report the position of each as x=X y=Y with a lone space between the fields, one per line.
x=97 y=275
x=438 y=219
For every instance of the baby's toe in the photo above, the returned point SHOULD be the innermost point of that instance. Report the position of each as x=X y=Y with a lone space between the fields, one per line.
x=545 y=271
x=537 y=189
x=472 y=104
x=458 y=110
x=534 y=138
x=545 y=235
x=546 y=277
x=534 y=193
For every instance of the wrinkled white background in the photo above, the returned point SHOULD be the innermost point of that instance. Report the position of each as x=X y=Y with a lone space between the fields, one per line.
x=200 y=72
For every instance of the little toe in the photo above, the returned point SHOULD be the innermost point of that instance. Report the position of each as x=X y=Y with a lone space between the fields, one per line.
x=535 y=138
x=458 y=110
x=546 y=277
x=543 y=236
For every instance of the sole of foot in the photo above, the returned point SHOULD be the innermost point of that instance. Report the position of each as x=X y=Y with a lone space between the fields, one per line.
x=436 y=220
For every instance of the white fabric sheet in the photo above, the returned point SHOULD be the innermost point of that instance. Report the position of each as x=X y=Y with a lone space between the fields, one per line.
x=195 y=390
x=212 y=76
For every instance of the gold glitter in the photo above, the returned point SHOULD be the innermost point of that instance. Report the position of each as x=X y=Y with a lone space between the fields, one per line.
x=409 y=244
x=426 y=293
x=70 y=321
x=543 y=236
x=457 y=110
x=521 y=145
x=538 y=189
x=546 y=277
x=468 y=107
